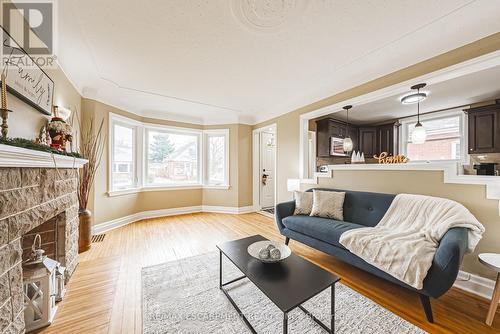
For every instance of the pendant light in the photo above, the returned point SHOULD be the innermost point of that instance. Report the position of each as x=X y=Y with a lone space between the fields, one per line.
x=347 y=144
x=419 y=134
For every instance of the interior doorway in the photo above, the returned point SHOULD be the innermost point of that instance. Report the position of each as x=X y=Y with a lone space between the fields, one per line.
x=264 y=169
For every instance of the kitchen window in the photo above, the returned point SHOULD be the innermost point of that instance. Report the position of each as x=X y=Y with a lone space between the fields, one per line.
x=445 y=137
x=147 y=157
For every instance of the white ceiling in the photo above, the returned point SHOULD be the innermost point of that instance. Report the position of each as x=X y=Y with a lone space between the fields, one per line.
x=472 y=88
x=225 y=61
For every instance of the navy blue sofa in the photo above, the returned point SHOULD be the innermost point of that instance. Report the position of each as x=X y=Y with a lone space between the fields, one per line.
x=362 y=209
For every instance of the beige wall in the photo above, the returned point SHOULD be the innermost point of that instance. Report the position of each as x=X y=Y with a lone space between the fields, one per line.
x=473 y=197
x=245 y=197
x=106 y=208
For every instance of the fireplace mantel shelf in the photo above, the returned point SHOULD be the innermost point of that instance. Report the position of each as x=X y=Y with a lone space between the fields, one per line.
x=12 y=156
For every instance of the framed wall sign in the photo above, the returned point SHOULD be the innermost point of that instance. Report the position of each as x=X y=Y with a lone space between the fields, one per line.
x=24 y=78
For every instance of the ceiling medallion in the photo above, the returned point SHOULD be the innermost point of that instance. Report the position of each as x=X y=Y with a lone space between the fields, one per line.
x=266 y=15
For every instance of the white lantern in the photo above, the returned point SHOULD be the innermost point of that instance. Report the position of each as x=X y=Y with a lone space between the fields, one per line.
x=347 y=145
x=419 y=134
x=39 y=285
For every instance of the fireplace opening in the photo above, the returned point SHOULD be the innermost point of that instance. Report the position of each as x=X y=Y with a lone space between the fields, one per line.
x=43 y=274
x=52 y=233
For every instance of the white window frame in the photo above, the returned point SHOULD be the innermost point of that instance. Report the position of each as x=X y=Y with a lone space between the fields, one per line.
x=131 y=124
x=141 y=151
x=403 y=129
x=218 y=133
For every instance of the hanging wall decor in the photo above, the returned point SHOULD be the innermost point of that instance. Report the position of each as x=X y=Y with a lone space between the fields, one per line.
x=24 y=78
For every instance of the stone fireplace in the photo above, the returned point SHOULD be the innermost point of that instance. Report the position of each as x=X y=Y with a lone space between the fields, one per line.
x=34 y=200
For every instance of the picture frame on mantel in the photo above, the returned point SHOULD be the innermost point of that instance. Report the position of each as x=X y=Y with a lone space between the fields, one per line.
x=29 y=83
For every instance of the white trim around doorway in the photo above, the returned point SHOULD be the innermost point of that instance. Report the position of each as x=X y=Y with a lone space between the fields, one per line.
x=256 y=164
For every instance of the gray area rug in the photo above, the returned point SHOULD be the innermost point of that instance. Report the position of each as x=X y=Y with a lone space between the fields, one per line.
x=183 y=297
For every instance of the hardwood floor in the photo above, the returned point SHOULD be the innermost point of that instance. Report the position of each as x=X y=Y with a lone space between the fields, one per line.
x=104 y=295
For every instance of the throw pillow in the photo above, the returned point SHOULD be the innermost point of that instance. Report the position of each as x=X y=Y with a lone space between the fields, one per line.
x=328 y=204
x=303 y=202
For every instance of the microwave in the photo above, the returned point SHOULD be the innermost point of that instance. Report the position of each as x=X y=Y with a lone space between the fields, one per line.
x=337 y=146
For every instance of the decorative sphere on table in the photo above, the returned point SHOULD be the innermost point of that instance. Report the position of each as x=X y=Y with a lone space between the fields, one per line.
x=275 y=254
x=270 y=247
x=264 y=253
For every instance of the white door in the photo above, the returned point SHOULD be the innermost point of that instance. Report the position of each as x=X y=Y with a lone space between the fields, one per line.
x=267 y=154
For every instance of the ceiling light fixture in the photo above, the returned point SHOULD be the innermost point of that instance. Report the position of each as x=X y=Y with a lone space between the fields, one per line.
x=414 y=97
x=419 y=134
x=347 y=144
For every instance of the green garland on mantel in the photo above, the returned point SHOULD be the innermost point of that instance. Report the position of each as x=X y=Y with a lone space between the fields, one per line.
x=29 y=144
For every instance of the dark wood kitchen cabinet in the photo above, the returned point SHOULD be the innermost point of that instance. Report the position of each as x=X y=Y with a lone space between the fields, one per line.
x=368 y=140
x=327 y=128
x=484 y=127
x=354 y=134
x=337 y=129
x=323 y=138
x=385 y=139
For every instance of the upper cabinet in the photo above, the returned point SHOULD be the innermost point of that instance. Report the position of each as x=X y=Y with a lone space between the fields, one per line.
x=323 y=138
x=337 y=129
x=386 y=140
x=484 y=127
x=329 y=127
x=368 y=140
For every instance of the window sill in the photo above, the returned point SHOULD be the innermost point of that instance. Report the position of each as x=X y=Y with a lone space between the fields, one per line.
x=222 y=187
x=114 y=193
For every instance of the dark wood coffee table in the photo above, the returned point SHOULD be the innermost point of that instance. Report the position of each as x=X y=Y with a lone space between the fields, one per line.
x=287 y=284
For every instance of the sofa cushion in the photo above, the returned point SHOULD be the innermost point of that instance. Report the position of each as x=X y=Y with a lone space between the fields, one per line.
x=324 y=229
x=328 y=204
x=363 y=208
x=303 y=202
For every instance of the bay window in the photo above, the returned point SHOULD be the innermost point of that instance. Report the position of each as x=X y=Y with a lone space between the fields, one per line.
x=147 y=156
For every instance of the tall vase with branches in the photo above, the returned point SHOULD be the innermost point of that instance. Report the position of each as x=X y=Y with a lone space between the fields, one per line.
x=92 y=147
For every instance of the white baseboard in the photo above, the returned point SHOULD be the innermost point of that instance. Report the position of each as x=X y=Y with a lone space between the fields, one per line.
x=227 y=209
x=475 y=284
x=122 y=221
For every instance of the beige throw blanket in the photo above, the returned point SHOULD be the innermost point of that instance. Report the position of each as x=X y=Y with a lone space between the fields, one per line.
x=404 y=242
